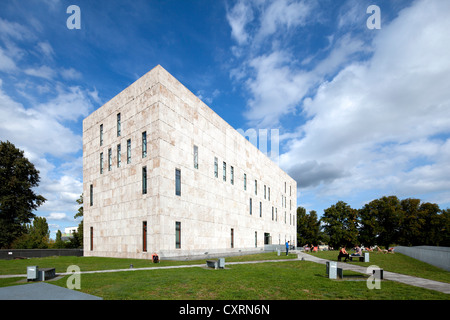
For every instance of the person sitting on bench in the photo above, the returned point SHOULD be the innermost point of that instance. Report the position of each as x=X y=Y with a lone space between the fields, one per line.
x=358 y=252
x=343 y=253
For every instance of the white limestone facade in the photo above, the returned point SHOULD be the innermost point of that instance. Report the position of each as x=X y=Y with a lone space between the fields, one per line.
x=163 y=173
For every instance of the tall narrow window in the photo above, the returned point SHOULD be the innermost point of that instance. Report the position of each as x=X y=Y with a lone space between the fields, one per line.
x=101 y=134
x=109 y=159
x=256 y=239
x=129 y=151
x=177 y=182
x=245 y=181
x=232 y=238
x=268 y=193
x=250 y=206
x=224 y=171
x=101 y=163
x=119 y=156
x=195 y=157
x=144 y=236
x=91 y=236
x=216 y=168
x=264 y=191
x=144 y=180
x=119 y=125
x=260 y=209
x=232 y=175
x=91 y=195
x=144 y=144
x=272 y=214
x=177 y=234
x=256 y=187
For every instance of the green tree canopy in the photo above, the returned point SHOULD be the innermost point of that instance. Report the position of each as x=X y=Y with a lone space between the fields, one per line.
x=308 y=227
x=340 y=224
x=18 y=177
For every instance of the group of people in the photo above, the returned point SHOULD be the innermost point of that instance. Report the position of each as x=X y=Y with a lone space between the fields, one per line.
x=344 y=254
x=311 y=248
x=358 y=252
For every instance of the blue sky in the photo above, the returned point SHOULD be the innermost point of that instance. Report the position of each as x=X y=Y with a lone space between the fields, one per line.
x=361 y=113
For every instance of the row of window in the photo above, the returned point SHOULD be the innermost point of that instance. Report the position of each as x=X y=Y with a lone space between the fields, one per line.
x=266 y=189
x=119 y=129
x=274 y=213
x=177 y=236
x=119 y=153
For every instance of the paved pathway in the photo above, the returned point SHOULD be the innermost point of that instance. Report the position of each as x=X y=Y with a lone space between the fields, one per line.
x=413 y=281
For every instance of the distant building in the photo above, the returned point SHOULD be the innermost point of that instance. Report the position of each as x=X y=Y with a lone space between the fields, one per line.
x=163 y=173
x=68 y=233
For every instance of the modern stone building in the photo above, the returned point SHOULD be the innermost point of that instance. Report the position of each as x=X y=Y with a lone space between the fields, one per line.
x=163 y=173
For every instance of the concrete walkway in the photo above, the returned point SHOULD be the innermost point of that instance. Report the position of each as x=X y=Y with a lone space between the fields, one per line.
x=410 y=280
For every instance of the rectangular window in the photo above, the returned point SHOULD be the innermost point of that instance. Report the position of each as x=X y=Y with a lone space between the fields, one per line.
x=195 y=157
x=101 y=134
x=177 y=182
x=101 y=163
x=245 y=181
x=216 y=168
x=250 y=206
x=129 y=151
x=91 y=236
x=260 y=209
x=144 y=180
x=119 y=156
x=91 y=195
x=144 y=144
x=109 y=159
x=256 y=239
x=272 y=214
x=268 y=193
x=144 y=236
x=232 y=174
x=256 y=187
x=224 y=171
x=264 y=191
x=232 y=238
x=119 y=125
x=177 y=234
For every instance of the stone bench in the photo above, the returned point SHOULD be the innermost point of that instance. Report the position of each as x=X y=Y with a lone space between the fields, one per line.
x=34 y=273
x=363 y=258
x=216 y=264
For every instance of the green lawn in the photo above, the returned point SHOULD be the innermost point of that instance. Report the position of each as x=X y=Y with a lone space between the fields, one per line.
x=289 y=280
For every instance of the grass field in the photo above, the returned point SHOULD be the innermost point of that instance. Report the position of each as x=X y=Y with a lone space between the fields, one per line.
x=288 y=280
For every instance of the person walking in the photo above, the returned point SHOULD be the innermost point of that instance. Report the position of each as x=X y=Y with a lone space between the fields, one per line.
x=287 y=247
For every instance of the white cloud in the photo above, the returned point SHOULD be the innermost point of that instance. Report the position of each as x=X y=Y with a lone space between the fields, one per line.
x=239 y=16
x=41 y=72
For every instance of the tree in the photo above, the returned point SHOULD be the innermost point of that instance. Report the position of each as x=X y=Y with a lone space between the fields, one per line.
x=385 y=225
x=308 y=227
x=77 y=240
x=18 y=177
x=59 y=243
x=340 y=224
x=36 y=237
